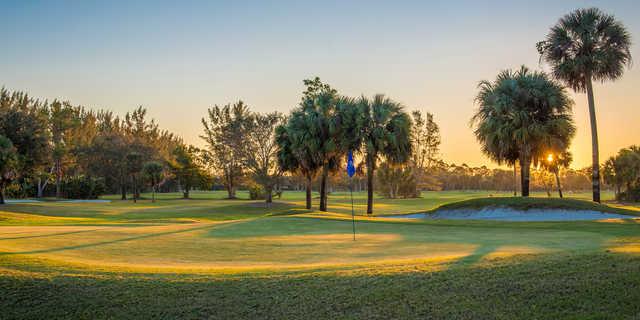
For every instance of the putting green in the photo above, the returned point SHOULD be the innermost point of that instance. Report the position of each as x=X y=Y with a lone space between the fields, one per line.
x=229 y=236
x=235 y=259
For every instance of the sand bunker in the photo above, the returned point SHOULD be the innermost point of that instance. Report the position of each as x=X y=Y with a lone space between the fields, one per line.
x=508 y=214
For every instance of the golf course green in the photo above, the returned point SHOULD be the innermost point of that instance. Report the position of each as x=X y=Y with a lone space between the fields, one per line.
x=208 y=257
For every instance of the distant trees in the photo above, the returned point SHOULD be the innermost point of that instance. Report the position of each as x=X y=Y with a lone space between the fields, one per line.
x=153 y=172
x=84 y=151
x=8 y=164
x=426 y=140
x=397 y=181
x=587 y=45
x=622 y=171
x=225 y=129
x=259 y=151
x=23 y=125
x=523 y=112
x=134 y=168
x=189 y=169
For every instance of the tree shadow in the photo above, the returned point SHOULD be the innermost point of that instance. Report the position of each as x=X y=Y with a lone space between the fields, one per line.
x=101 y=243
x=49 y=235
x=478 y=254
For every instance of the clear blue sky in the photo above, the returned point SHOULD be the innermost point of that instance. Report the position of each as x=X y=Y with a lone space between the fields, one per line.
x=177 y=59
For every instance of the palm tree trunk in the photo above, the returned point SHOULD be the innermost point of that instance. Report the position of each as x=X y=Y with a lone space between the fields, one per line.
x=153 y=194
x=2 y=194
x=369 y=194
x=515 y=180
x=558 y=183
x=524 y=175
x=370 y=191
x=323 y=190
x=370 y=170
x=595 y=161
x=308 y=190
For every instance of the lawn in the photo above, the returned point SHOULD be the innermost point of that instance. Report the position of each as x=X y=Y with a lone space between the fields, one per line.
x=214 y=258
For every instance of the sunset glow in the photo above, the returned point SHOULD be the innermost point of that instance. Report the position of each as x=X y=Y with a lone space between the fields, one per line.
x=177 y=60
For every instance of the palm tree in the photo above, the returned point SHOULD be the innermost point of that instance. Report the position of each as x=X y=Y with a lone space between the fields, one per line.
x=293 y=155
x=521 y=113
x=587 y=45
x=553 y=161
x=314 y=138
x=386 y=132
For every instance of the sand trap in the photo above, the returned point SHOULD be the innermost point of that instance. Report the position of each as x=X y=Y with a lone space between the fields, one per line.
x=507 y=214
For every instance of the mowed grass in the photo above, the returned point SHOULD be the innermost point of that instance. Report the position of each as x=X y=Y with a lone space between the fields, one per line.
x=214 y=258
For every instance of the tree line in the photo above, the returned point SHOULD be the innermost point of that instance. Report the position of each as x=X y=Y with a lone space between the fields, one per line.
x=312 y=142
x=54 y=148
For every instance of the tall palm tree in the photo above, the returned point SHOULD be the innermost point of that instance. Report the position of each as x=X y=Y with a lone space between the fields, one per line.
x=587 y=45
x=386 y=132
x=521 y=113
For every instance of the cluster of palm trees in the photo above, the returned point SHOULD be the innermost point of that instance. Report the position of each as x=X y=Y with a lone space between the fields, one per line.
x=524 y=116
x=318 y=135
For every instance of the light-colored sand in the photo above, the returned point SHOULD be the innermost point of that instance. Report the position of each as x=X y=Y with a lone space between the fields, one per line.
x=508 y=214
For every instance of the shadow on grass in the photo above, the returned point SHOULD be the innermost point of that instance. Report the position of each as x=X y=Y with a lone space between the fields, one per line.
x=49 y=235
x=101 y=243
x=477 y=255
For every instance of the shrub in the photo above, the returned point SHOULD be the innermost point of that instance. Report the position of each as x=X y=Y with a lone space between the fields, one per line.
x=397 y=182
x=632 y=195
x=83 y=187
x=256 y=192
x=16 y=191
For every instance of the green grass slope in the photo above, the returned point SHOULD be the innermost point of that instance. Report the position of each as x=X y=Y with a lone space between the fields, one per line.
x=520 y=203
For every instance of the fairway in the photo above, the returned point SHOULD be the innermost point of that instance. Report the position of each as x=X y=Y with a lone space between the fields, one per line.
x=173 y=245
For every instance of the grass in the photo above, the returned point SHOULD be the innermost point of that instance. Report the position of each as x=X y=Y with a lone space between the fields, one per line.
x=520 y=203
x=220 y=259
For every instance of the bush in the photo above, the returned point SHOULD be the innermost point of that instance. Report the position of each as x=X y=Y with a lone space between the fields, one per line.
x=632 y=195
x=83 y=187
x=256 y=192
x=16 y=191
x=397 y=182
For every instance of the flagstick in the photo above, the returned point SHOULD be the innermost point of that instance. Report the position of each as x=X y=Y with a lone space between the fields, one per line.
x=353 y=218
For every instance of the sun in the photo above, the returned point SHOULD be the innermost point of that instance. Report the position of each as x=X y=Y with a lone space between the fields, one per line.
x=550 y=157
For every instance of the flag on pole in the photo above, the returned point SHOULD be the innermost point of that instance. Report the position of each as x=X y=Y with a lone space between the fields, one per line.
x=351 y=168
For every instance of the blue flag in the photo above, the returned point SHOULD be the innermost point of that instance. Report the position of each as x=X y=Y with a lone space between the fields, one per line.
x=351 y=169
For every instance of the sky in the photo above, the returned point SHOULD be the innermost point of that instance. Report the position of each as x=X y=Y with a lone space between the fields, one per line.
x=179 y=58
